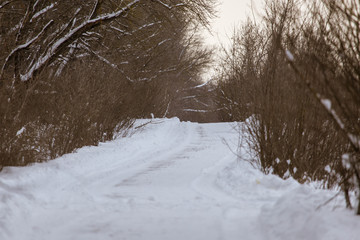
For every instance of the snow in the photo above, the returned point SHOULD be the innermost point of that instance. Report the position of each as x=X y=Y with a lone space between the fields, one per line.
x=36 y=15
x=346 y=161
x=21 y=131
x=203 y=84
x=289 y=55
x=327 y=104
x=25 y=45
x=354 y=139
x=296 y=216
x=166 y=180
x=169 y=6
x=287 y=174
x=4 y=4
x=44 y=59
x=195 y=110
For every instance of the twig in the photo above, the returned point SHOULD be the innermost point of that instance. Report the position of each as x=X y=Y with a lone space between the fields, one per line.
x=328 y=201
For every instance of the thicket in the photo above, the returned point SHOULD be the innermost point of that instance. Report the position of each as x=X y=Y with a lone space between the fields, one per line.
x=72 y=73
x=294 y=77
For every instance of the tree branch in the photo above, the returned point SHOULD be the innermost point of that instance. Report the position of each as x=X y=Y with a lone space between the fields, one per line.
x=72 y=35
x=326 y=103
x=23 y=46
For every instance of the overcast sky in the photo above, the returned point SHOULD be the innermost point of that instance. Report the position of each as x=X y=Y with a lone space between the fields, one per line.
x=231 y=13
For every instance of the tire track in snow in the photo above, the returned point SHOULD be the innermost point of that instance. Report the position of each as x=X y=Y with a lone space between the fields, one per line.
x=142 y=191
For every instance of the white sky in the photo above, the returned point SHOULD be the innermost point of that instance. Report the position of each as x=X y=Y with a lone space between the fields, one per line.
x=231 y=13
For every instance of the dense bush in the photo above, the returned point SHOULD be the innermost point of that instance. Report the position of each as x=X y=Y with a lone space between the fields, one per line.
x=297 y=84
x=74 y=72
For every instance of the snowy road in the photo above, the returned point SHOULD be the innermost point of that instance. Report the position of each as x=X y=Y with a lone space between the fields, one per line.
x=169 y=181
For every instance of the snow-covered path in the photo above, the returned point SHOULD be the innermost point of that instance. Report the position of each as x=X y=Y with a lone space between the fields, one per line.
x=171 y=180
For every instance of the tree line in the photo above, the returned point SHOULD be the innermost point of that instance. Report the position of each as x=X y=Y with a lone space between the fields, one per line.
x=294 y=78
x=73 y=73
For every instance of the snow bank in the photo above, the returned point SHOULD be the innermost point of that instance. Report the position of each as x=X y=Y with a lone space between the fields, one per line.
x=165 y=180
x=242 y=181
x=288 y=210
x=42 y=184
x=301 y=214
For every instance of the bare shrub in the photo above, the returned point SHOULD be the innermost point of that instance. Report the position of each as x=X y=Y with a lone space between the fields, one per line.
x=290 y=134
x=329 y=67
x=304 y=93
x=71 y=77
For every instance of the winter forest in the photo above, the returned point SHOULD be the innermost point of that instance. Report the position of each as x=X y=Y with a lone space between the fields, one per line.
x=79 y=73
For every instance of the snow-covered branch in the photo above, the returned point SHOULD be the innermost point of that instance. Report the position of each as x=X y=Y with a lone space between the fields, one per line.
x=96 y=7
x=72 y=35
x=196 y=110
x=169 y=6
x=202 y=85
x=119 y=30
x=354 y=139
x=23 y=46
x=4 y=4
x=103 y=59
x=36 y=15
x=326 y=103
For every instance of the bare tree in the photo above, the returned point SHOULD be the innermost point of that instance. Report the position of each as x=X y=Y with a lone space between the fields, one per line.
x=288 y=132
x=331 y=73
x=80 y=70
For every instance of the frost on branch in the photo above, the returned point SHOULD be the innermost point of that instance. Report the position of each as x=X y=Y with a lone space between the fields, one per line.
x=346 y=161
x=36 y=15
x=327 y=104
x=92 y=67
x=354 y=139
x=68 y=38
x=24 y=46
x=289 y=55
